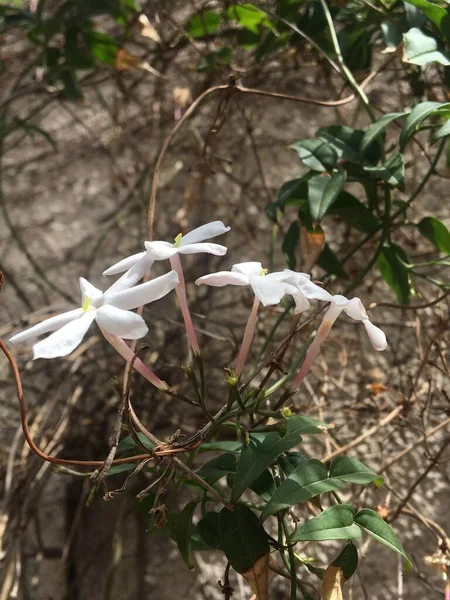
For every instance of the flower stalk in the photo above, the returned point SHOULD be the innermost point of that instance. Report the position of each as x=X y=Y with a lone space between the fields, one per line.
x=180 y=291
x=248 y=338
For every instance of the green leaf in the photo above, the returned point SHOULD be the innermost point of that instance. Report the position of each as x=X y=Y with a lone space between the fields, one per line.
x=102 y=46
x=218 y=467
x=415 y=118
x=72 y=89
x=391 y=34
x=354 y=213
x=264 y=486
x=443 y=132
x=308 y=480
x=347 y=143
x=203 y=24
x=291 y=193
x=290 y=244
x=257 y=456
x=334 y=523
x=393 y=270
x=209 y=530
x=351 y=470
x=290 y=461
x=392 y=171
x=242 y=537
x=304 y=425
x=183 y=533
x=316 y=154
x=436 y=14
x=378 y=127
x=128 y=444
x=421 y=49
x=436 y=232
x=329 y=262
x=248 y=16
x=347 y=560
x=225 y=446
x=216 y=59
x=323 y=191
x=382 y=532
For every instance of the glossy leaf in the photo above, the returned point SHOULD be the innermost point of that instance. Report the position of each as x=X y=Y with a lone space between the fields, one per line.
x=435 y=13
x=203 y=24
x=183 y=532
x=322 y=192
x=354 y=213
x=329 y=262
x=243 y=539
x=225 y=446
x=308 y=480
x=377 y=128
x=304 y=425
x=209 y=530
x=264 y=486
x=291 y=193
x=422 y=49
x=290 y=461
x=257 y=456
x=436 y=232
x=218 y=467
x=382 y=532
x=347 y=560
x=351 y=470
x=391 y=34
x=347 y=143
x=443 y=132
x=334 y=523
x=418 y=114
x=316 y=154
x=394 y=272
x=392 y=170
x=290 y=245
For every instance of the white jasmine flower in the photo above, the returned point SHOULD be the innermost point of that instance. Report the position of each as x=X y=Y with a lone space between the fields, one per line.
x=111 y=310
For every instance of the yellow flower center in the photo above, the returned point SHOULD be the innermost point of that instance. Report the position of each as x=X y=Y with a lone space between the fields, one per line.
x=263 y=272
x=178 y=240
x=86 y=304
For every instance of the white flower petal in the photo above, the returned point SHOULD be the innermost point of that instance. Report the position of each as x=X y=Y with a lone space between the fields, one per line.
x=88 y=290
x=160 y=250
x=143 y=293
x=65 y=340
x=376 y=335
x=46 y=326
x=205 y=232
x=268 y=291
x=124 y=265
x=123 y=323
x=132 y=276
x=301 y=303
x=223 y=278
x=250 y=269
x=216 y=249
x=355 y=310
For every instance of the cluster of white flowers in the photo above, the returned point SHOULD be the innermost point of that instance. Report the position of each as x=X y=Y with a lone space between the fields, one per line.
x=112 y=309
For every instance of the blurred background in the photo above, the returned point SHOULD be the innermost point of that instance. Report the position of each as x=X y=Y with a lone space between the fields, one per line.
x=90 y=91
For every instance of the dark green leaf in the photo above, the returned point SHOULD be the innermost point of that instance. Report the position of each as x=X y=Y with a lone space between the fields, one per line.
x=335 y=523
x=421 y=49
x=290 y=244
x=183 y=533
x=290 y=461
x=377 y=128
x=381 y=531
x=347 y=143
x=264 y=486
x=347 y=560
x=203 y=24
x=354 y=212
x=308 y=480
x=329 y=262
x=316 y=154
x=392 y=171
x=72 y=90
x=243 y=538
x=436 y=232
x=257 y=456
x=353 y=471
x=436 y=14
x=225 y=446
x=322 y=192
x=443 y=132
x=418 y=114
x=129 y=446
x=304 y=425
x=218 y=467
x=391 y=34
x=291 y=193
x=209 y=530
x=102 y=46
x=394 y=272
